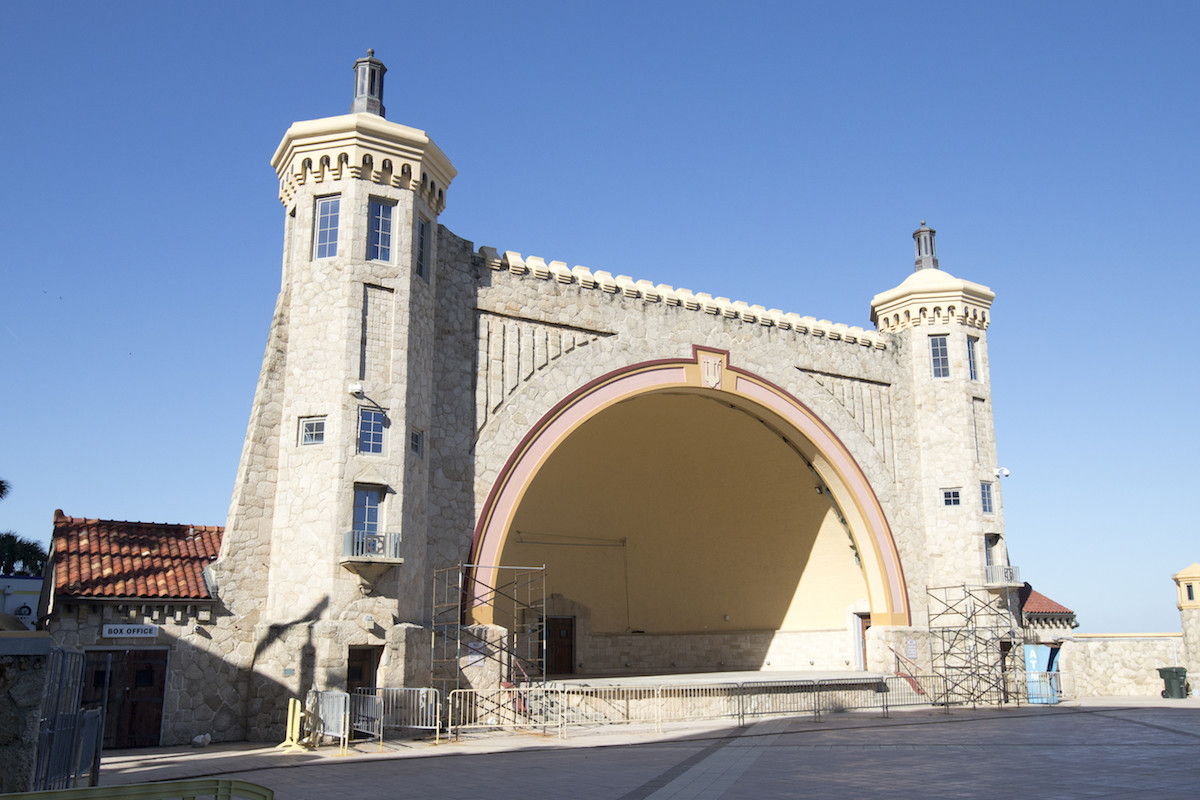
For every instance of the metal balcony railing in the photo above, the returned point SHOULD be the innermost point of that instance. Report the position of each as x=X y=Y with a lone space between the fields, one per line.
x=1002 y=575
x=367 y=546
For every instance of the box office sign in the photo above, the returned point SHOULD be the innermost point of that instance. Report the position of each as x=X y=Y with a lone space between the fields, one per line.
x=129 y=631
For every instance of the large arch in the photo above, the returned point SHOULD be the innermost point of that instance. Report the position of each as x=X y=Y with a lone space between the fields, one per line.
x=709 y=372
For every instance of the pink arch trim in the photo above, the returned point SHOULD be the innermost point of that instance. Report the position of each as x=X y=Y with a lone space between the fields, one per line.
x=586 y=401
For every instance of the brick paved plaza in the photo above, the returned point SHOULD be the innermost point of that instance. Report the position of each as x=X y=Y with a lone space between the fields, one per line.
x=1108 y=750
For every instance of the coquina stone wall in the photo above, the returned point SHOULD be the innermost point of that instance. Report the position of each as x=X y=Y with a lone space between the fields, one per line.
x=24 y=661
x=1120 y=665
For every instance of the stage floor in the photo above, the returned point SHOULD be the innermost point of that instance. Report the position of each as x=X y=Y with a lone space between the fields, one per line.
x=745 y=676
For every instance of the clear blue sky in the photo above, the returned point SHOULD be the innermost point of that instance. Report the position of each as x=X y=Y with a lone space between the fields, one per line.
x=779 y=154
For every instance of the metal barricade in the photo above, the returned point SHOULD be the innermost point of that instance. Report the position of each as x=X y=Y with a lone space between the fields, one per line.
x=914 y=690
x=379 y=711
x=778 y=698
x=329 y=715
x=699 y=701
x=851 y=694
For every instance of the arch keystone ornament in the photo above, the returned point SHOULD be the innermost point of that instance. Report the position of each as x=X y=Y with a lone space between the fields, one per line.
x=707 y=372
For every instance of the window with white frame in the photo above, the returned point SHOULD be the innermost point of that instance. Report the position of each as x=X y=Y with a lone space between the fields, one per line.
x=379 y=230
x=974 y=371
x=368 y=505
x=325 y=242
x=985 y=496
x=941 y=356
x=422 y=247
x=371 y=424
x=950 y=497
x=312 y=430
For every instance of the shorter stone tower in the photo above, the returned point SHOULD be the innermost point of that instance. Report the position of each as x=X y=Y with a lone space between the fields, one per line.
x=941 y=322
x=1187 y=583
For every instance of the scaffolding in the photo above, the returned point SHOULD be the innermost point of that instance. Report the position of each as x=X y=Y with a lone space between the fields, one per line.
x=496 y=630
x=975 y=645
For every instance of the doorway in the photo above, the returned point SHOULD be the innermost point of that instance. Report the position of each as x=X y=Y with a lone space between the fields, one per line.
x=362 y=667
x=560 y=645
x=864 y=622
x=130 y=686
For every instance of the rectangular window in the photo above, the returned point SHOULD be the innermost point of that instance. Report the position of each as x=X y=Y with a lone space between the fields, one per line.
x=950 y=497
x=312 y=430
x=379 y=231
x=371 y=422
x=422 y=248
x=985 y=495
x=1190 y=593
x=326 y=242
x=416 y=441
x=971 y=340
x=367 y=502
x=941 y=356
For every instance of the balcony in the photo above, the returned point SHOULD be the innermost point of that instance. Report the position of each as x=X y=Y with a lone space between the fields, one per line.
x=1002 y=575
x=370 y=554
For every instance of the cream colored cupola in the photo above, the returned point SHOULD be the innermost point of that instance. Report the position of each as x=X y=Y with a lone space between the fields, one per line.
x=363 y=146
x=931 y=295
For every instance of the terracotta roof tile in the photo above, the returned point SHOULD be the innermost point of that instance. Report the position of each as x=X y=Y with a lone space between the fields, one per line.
x=106 y=558
x=1034 y=602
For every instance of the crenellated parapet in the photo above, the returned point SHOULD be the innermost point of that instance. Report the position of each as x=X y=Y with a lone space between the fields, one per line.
x=536 y=268
x=363 y=147
x=932 y=297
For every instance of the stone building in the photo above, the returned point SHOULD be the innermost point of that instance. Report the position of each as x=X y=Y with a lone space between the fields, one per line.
x=708 y=484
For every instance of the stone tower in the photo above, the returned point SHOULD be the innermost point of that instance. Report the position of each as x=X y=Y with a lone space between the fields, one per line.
x=334 y=465
x=1187 y=584
x=940 y=322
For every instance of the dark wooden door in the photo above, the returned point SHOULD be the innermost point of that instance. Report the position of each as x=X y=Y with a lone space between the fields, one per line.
x=130 y=686
x=560 y=645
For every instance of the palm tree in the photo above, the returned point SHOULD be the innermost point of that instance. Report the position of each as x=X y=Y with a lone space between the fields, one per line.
x=20 y=556
x=3 y=488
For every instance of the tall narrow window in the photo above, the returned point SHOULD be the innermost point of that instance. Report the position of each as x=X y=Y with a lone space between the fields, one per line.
x=422 y=248
x=379 y=231
x=985 y=496
x=371 y=422
x=367 y=502
x=1191 y=593
x=971 y=340
x=326 y=242
x=941 y=356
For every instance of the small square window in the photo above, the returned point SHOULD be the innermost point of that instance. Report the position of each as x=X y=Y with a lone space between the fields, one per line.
x=379 y=231
x=371 y=422
x=312 y=430
x=974 y=371
x=325 y=242
x=985 y=495
x=941 y=356
x=422 y=247
x=416 y=442
x=950 y=497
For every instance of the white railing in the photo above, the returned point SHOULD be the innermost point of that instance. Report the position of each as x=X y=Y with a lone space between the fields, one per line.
x=1002 y=574
x=367 y=545
x=1043 y=688
x=545 y=708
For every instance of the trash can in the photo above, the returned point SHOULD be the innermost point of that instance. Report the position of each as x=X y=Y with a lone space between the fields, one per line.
x=1174 y=682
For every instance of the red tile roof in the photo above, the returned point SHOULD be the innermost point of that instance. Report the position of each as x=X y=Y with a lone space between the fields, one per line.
x=103 y=558
x=1034 y=602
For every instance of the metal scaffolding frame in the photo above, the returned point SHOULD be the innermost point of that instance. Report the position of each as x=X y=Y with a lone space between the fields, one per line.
x=975 y=645
x=516 y=603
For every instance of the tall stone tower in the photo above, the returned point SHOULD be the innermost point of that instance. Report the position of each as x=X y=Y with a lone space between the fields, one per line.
x=939 y=324
x=334 y=467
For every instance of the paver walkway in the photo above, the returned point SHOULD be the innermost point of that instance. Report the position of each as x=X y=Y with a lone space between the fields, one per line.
x=1093 y=751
